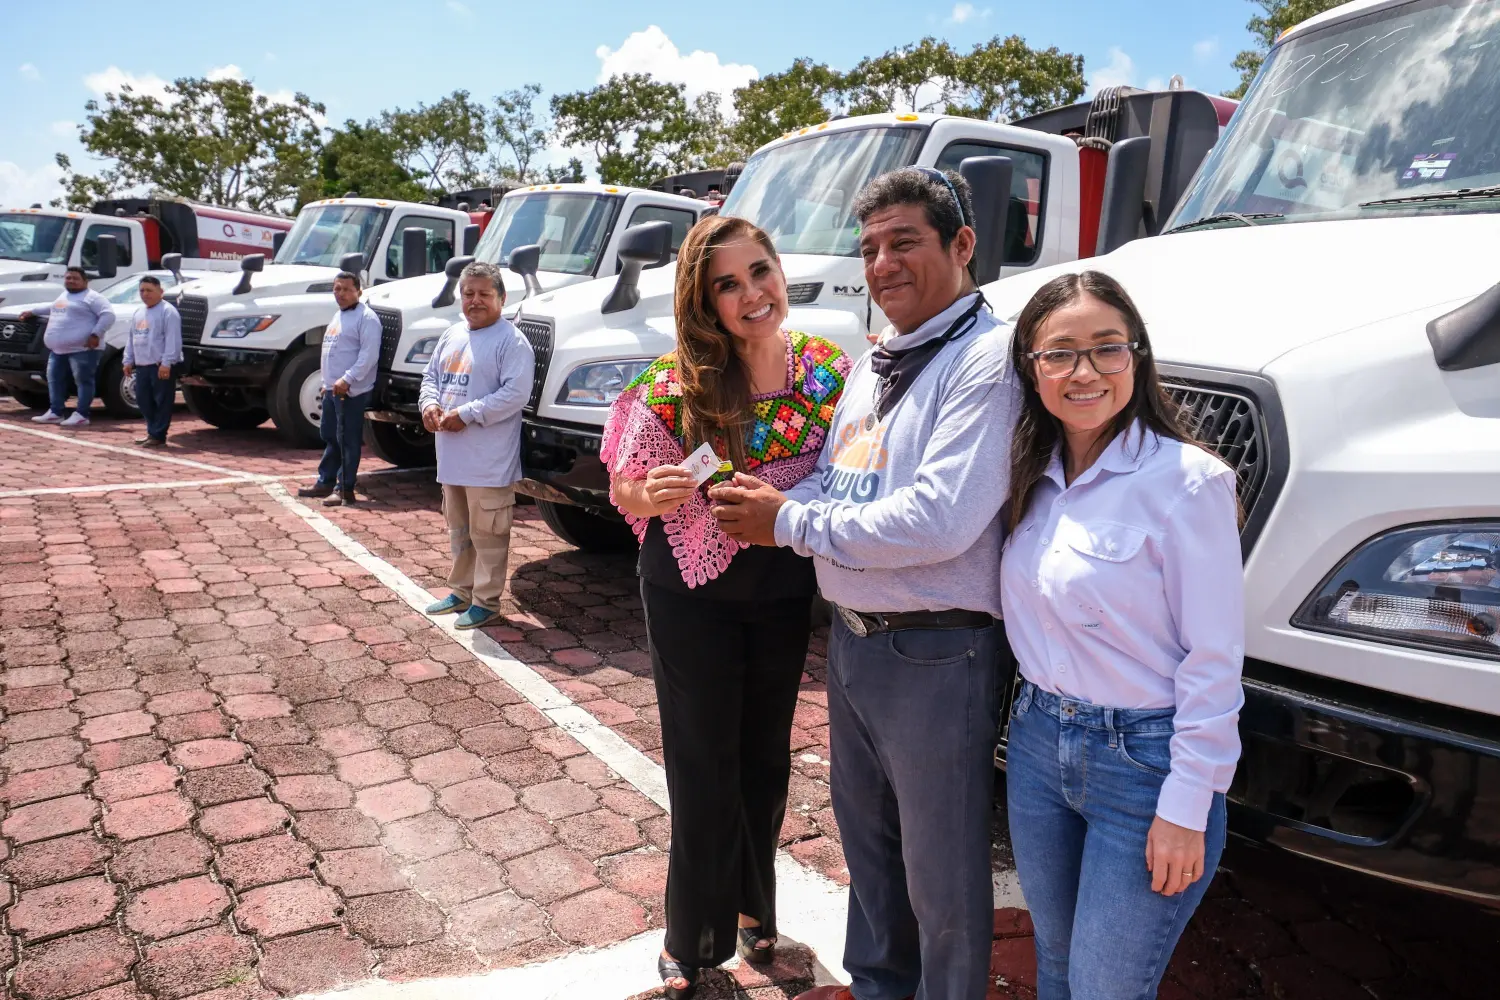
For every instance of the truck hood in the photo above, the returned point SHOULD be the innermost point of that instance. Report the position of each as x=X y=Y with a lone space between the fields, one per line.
x=275 y=279
x=1240 y=297
x=11 y=269
x=418 y=293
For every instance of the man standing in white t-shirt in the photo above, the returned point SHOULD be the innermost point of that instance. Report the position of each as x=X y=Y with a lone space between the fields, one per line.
x=76 y=322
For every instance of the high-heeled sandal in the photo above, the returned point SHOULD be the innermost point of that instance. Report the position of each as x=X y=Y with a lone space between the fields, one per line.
x=670 y=968
x=749 y=937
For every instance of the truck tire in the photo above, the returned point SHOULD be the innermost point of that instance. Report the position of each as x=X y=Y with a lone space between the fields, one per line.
x=587 y=530
x=406 y=446
x=227 y=409
x=116 y=391
x=32 y=399
x=296 y=400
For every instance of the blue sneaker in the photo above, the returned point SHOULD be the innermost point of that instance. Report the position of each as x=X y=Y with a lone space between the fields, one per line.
x=450 y=605
x=475 y=617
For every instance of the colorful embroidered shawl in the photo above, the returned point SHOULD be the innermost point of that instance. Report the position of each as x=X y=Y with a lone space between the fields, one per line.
x=644 y=431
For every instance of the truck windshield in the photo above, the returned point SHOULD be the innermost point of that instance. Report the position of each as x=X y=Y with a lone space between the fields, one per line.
x=41 y=239
x=569 y=227
x=1398 y=104
x=802 y=192
x=324 y=233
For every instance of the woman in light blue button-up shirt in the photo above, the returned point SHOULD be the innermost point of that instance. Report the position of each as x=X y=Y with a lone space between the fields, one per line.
x=1123 y=595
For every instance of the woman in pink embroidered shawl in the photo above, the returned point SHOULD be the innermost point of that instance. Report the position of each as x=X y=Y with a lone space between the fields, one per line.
x=727 y=624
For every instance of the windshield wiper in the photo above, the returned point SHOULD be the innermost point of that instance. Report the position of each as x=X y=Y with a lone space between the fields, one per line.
x=1493 y=191
x=1244 y=218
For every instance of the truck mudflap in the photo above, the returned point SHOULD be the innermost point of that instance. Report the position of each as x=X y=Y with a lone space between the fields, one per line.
x=1400 y=789
x=560 y=463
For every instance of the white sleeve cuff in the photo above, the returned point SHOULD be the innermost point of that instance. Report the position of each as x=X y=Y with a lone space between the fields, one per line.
x=1184 y=803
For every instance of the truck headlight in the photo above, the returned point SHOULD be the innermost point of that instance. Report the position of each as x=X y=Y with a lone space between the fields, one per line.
x=1436 y=587
x=601 y=384
x=240 y=326
x=421 y=351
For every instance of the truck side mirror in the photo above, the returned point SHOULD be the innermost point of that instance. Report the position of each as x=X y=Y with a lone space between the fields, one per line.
x=107 y=256
x=643 y=246
x=989 y=187
x=173 y=262
x=454 y=268
x=471 y=238
x=413 y=252
x=276 y=242
x=525 y=261
x=352 y=262
x=1123 y=208
x=249 y=265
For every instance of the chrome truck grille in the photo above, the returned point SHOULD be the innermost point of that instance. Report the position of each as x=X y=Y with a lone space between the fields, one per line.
x=194 y=312
x=390 y=335
x=19 y=334
x=539 y=332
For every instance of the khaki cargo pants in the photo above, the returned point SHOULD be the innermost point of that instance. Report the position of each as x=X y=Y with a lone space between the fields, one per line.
x=479 y=534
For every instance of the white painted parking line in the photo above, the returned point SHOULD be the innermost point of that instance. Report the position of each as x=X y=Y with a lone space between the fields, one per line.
x=114 y=487
x=811 y=908
x=154 y=456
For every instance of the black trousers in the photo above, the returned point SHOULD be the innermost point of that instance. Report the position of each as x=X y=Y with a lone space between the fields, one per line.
x=727 y=674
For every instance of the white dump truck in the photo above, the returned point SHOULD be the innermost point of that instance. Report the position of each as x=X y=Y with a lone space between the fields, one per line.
x=252 y=339
x=1324 y=304
x=1038 y=195
x=550 y=235
x=118 y=240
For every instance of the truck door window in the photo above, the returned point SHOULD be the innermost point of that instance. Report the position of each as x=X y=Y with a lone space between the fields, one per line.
x=681 y=221
x=1023 y=223
x=439 y=243
x=90 y=254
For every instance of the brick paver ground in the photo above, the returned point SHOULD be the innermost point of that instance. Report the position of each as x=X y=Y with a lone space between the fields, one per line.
x=235 y=766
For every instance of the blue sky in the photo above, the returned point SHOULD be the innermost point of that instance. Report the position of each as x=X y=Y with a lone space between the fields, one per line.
x=361 y=58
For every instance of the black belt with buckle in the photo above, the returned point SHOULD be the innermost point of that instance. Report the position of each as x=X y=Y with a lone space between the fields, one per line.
x=865 y=623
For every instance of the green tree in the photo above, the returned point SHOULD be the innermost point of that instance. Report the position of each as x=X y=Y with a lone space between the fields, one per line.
x=806 y=93
x=639 y=128
x=215 y=141
x=520 y=129
x=570 y=174
x=917 y=77
x=1004 y=79
x=363 y=158
x=440 y=145
x=1278 y=16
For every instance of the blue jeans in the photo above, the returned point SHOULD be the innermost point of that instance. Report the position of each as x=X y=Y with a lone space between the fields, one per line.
x=1082 y=783
x=912 y=719
x=343 y=432
x=155 y=396
x=84 y=365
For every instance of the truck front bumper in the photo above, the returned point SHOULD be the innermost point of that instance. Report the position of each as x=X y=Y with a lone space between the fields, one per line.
x=226 y=367
x=396 y=399
x=1397 y=788
x=26 y=372
x=560 y=463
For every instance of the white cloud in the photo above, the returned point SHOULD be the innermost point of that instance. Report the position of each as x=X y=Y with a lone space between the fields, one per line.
x=651 y=51
x=462 y=10
x=29 y=72
x=229 y=72
x=1206 y=49
x=64 y=129
x=1119 y=72
x=114 y=79
x=20 y=188
x=963 y=13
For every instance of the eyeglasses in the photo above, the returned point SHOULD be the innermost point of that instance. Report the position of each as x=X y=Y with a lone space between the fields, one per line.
x=1107 y=359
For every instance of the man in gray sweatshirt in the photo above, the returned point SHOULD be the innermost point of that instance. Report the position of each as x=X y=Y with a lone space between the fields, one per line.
x=477 y=381
x=75 y=323
x=901 y=517
x=350 y=354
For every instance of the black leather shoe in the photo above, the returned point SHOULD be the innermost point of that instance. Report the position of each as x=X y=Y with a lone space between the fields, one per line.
x=315 y=490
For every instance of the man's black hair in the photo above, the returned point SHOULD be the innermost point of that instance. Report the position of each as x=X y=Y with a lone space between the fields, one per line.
x=78 y=270
x=150 y=279
x=348 y=276
x=948 y=206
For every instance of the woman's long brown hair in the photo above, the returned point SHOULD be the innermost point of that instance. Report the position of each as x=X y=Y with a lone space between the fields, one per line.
x=715 y=381
x=1037 y=430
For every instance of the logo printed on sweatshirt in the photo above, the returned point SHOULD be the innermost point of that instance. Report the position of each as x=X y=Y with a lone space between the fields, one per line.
x=857 y=459
x=453 y=377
